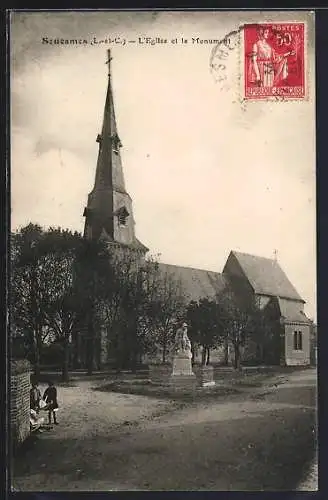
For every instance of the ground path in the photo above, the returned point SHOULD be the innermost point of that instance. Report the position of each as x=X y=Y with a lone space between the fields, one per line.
x=262 y=439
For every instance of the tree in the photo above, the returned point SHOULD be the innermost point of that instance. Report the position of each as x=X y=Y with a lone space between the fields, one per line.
x=61 y=304
x=71 y=289
x=28 y=288
x=206 y=329
x=236 y=321
x=56 y=284
x=165 y=305
x=94 y=285
x=139 y=306
x=118 y=303
x=266 y=332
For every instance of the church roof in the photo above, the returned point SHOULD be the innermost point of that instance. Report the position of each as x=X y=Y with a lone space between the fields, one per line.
x=291 y=311
x=196 y=283
x=266 y=276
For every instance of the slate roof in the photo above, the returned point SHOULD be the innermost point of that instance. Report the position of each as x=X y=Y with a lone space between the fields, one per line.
x=291 y=311
x=196 y=283
x=266 y=276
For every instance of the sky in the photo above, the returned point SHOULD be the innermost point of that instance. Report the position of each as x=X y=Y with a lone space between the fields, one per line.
x=207 y=171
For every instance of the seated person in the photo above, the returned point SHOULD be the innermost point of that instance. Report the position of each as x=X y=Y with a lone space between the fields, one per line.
x=35 y=421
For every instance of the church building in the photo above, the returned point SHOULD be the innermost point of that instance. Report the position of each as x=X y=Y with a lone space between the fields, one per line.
x=109 y=215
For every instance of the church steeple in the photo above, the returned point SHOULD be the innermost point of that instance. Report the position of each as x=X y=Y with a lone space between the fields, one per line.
x=109 y=171
x=109 y=211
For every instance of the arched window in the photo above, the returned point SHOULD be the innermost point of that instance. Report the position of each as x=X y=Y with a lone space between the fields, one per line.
x=298 y=341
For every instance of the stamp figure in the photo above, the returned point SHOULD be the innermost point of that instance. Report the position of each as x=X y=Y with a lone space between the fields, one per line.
x=274 y=60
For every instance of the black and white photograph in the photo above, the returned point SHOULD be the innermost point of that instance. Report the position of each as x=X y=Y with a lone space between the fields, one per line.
x=162 y=292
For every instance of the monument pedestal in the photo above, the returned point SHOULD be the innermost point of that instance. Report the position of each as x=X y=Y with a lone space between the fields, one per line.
x=182 y=375
x=182 y=366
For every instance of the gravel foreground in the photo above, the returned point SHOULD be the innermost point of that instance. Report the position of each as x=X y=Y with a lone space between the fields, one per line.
x=261 y=439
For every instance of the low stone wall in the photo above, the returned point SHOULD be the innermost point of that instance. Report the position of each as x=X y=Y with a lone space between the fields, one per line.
x=160 y=373
x=204 y=375
x=19 y=401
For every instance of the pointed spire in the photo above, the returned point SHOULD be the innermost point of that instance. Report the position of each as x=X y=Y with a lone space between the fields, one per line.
x=109 y=212
x=109 y=173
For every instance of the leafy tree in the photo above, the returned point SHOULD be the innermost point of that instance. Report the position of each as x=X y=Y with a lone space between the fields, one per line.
x=28 y=290
x=61 y=303
x=139 y=306
x=94 y=284
x=164 y=307
x=206 y=326
x=69 y=289
x=119 y=304
x=265 y=333
x=237 y=321
x=55 y=285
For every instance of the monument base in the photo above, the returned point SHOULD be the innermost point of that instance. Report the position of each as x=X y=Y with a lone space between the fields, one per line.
x=182 y=375
x=182 y=366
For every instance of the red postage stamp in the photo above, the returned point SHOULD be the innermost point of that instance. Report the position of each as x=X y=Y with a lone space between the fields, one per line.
x=274 y=60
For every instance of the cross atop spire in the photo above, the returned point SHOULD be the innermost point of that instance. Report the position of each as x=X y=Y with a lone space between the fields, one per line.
x=109 y=58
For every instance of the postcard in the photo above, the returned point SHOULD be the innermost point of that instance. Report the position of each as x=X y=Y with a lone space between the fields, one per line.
x=163 y=324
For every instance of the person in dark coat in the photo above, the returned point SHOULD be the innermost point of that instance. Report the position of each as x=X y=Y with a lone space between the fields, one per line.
x=35 y=397
x=50 y=397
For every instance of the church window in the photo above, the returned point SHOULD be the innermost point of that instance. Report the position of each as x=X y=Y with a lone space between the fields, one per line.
x=122 y=215
x=300 y=346
x=122 y=219
x=298 y=341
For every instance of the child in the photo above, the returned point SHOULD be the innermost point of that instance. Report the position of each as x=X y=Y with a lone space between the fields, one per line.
x=50 y=397
x=35 y=421
x=35 y=397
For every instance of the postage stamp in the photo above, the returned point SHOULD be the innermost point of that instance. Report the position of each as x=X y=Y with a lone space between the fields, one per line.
x=274 y=60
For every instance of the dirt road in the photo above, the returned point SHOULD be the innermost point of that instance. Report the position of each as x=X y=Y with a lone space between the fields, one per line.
x=258 y=440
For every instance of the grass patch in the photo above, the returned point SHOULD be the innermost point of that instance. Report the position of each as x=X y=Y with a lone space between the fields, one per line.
x=251 y=380
x=231 y=383
x=165 y=392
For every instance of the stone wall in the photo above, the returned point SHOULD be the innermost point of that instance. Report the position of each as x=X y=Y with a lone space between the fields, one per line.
x=20 y=401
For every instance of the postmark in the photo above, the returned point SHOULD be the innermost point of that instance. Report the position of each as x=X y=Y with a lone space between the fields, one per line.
x=274 y=61
x=223 y=62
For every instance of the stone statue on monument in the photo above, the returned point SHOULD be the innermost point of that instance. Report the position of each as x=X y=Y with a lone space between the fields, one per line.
x=182 y=344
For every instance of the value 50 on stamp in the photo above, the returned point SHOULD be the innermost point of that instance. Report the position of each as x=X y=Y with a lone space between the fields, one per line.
x=274 y=60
